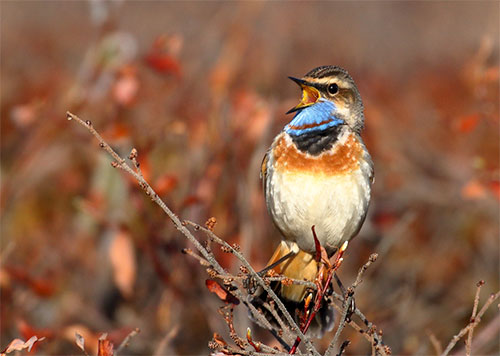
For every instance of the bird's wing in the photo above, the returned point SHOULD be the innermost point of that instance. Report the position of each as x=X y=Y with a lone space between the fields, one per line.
x=263 y=171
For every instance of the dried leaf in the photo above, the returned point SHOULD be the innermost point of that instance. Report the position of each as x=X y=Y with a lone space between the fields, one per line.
x=105 y=347
x=80 y=341
x=91 y=338
x=221 y=292
x=219 y=340
x=18 y=344
x=122 y=256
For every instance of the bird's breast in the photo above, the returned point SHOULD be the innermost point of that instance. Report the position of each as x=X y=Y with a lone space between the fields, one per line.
x=330 y=191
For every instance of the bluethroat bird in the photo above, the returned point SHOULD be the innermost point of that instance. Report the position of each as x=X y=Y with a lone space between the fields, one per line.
x=318 y=173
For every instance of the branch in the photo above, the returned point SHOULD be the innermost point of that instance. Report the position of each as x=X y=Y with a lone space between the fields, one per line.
x=119 y=162
x=474 y=321
x=468 y=344
x=127 y=340
x=293 y=325
x=347 y=306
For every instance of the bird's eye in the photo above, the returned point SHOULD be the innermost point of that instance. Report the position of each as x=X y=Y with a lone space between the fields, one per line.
x=333 y=89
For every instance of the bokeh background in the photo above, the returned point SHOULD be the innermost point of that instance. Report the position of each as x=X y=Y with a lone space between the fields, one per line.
x=200 y=89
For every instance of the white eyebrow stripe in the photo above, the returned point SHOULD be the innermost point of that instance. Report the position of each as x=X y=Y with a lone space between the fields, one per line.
x=324 y=80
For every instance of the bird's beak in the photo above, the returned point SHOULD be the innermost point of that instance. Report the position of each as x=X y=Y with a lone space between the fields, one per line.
x=310 y=95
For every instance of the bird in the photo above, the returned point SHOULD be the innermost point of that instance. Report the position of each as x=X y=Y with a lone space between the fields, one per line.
x=317 y=172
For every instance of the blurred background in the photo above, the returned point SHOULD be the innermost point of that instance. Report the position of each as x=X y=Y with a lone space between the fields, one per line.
x=200 y=89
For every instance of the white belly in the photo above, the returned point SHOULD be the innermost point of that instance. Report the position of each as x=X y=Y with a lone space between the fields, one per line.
x=335 y=204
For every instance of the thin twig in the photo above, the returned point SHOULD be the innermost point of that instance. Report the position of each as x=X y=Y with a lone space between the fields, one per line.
x=299 y=282
x=472 y=324
x=295 y=328
x=283 y=326
x=438 y=348
x=160 y=350
x=373 y=257
x=343 y=347
x=468 y=344
x=373 y=338
x=127 y=340
x=488 y=332
x=200 y=259
x=342 y=323
x=347 y=305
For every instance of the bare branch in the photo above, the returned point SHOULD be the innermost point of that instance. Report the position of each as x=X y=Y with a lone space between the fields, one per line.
x=127 y=340
x=472 y=324
x=294 y=327
x=181 y=226
x=347 y=305
x=468 y=343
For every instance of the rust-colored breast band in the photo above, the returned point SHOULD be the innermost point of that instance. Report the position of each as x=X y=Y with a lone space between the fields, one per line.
x=340 y=159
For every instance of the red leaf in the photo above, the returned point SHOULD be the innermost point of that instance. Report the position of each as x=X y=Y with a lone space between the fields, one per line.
x=221 y=292
x=190 y=200
x=467 y=123
x=163 y=63
x=27 y=331
x=165 y=184
x=44 y=287
x=105 y=347
x=495 y=188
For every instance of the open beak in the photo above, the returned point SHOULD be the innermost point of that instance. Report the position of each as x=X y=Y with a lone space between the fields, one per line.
x=310 y=95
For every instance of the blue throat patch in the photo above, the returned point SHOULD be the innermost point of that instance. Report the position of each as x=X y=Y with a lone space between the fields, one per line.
x=312 y=117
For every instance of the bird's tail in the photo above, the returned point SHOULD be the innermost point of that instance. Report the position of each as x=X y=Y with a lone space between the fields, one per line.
x=301 y=266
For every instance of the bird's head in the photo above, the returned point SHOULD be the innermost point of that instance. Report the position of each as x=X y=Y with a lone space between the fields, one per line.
x=329 y=97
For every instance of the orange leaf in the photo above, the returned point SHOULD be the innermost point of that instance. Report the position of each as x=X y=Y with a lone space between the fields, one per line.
x=165 y=184
x=105 y=347
x=117 y=131
x=219 y=340
x=122 y=256
x=221 y=292
x=473 y=190
x=468 y=123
